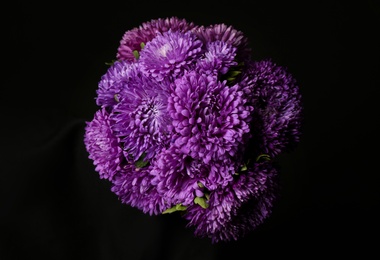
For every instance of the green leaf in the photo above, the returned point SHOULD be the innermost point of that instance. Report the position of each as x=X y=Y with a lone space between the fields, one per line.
x=136 y=54
x=200 y=185
x=175 y=208
x=140 y=163
x=244 y=168
x=142 y=45
x=201 y=201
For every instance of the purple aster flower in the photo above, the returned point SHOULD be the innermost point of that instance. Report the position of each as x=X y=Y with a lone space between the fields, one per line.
x=103 y=147
x=133 y=187
x=238 y=208
x=140 y=118
x=276 y=124
x=211 y=119
x=179 y=178
x=170 y=54
x=176 y=176
x=111 y=83
x=132 y=39
x=227 y=34
x=218 y=58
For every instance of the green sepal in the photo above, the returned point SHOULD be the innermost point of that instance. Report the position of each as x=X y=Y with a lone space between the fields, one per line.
x=140 y=163
x=110 y=63
x=244 y=167
x=142 y=45
x=265 y=157
x=234 y=73
x=178 y=207
x=201 y=201
x=230 y=79
x=136 y=54
x=231 y=75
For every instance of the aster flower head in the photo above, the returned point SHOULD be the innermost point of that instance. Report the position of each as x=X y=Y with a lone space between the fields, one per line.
x=210 y=118
x=190 y=122
x=170 y=54
x=133 y=187
x=227 y=34
x=176 y=176
x=278 y=109
x=218 y=58
x=238 y=208
x=111 y=82
x=140 y=118
x=180 y=179
x=134 y=40
x=102 y=145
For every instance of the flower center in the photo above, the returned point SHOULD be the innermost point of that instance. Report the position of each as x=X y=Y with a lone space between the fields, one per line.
x=163 y=50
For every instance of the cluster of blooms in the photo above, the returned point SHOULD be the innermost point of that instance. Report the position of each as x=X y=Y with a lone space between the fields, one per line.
x=189 y=122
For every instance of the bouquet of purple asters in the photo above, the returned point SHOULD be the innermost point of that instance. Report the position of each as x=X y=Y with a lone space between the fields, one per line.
x=189 y=122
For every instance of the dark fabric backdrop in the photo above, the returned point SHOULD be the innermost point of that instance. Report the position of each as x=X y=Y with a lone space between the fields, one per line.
x=53 y=204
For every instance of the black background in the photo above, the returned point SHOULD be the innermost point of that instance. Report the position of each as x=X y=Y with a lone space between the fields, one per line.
x=53 y=204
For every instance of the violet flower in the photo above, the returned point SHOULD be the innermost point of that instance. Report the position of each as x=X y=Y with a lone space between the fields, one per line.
x=133 y=187
x=277 y=118
x=140 y=118
x=238 y=208
x=134 y=39
x=170 y=54
x=102 y=145
x=209 y=117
